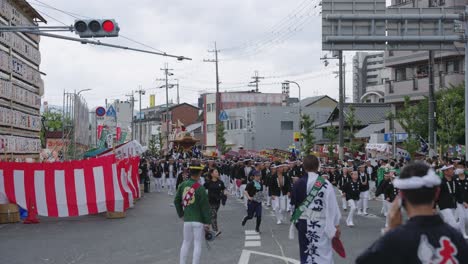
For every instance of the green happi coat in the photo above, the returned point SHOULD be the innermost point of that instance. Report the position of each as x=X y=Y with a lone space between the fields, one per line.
x=198 y=209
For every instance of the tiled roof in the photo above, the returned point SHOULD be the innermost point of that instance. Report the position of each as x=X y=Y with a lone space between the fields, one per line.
x=370 y=129
x=366 y=113
x=310 y=100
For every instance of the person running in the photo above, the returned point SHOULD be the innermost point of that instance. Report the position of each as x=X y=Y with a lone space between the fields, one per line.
x=352 y=190
x=216 y=193
x=191 y=203
x=254 y=194
x=424 y=238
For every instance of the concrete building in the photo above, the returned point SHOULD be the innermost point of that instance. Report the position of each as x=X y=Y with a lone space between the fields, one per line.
x=369 y=77
x=21 y=86
x=409 y=69
x=266 y=127
x=233 y=100
x=154 y=120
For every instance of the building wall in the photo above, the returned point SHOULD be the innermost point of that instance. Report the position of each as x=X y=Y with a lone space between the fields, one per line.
x=409 y=76
x=21 y=86
x=185 y=113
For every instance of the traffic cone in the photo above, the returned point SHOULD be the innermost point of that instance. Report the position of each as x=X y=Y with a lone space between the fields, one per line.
x=32 y=215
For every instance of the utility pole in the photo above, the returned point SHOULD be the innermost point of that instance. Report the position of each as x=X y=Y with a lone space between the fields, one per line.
x=132 y=107
x=340 y=107
x=432 y=103
x=256 y=81
x=178 y=98
x=218 y=98
x=167 y=74
x=140 y=91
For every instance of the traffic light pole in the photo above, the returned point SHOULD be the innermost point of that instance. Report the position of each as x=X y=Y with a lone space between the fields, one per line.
x=42 y=32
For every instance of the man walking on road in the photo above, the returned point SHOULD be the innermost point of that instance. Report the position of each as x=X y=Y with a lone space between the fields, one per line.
x=191 y=203
x=316 y=215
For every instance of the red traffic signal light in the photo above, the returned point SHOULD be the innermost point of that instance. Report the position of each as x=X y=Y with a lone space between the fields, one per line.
x=96 y=28
x=108 y=26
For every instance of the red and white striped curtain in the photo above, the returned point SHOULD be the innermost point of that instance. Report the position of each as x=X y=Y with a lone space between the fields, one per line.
x=65 y=189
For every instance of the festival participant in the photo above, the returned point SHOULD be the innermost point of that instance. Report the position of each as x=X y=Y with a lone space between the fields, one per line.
x=183 y=176
x=163 y=169
x=266 y=171
x=254 y=194
x=316 y=215
x=191 y=203
x=462 y=208
x=143 y=172
x=372 y=172
x=390 y=193
x=424 y=238
x=334 y=175
x=216 y=193
x=171 y=177
x=280 y=188
x=449 y=196
x=364 y=180
x=344 y=178
x=381 y=191
x=352 y=190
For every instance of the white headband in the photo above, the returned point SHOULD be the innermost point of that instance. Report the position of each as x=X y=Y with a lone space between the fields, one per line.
x=415 y=182
x=459 y=171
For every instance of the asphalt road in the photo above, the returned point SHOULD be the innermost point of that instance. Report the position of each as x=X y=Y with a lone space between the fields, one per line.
x=152 y=234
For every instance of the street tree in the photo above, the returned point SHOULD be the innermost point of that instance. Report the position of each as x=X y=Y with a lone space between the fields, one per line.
x=153 y=146
x=221 y=138
x=450 y=116
x=409 y=121
x=331 y=133
x=307 y=134
x=352 y=123
x=51 y=121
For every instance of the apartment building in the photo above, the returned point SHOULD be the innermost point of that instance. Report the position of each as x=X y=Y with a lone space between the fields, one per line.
x=409 y=69
x=21 y=86
x=369 y=77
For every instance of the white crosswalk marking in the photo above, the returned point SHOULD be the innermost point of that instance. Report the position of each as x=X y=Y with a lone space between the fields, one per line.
x=252 y=239
x=252 y=244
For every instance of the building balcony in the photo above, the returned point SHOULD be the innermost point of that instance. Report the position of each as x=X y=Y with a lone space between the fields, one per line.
x=398 y=58
x=418 y=88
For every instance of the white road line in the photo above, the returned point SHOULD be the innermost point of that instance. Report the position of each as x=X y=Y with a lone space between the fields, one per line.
x=252 y=244
x=253 y=237
x=245 y=257
x=251 y=232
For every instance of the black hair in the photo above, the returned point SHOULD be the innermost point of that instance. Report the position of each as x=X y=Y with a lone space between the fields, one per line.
x=311 y=163
x=421 y=196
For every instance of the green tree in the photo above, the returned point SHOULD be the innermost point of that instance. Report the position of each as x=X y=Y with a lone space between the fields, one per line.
x=331 y=133
x=352 y=123
x=160 y=142
x=307 y=134
x=408 y=119
x=221 y=138
x=450 y=116
x=153 y=146
x=51 y=121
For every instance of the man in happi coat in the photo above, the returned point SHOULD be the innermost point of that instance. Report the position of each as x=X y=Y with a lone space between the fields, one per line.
x=319 y=222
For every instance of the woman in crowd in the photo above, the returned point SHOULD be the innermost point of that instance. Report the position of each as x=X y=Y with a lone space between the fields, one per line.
x=216 y=192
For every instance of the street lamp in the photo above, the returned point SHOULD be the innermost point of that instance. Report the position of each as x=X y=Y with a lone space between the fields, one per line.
x=300 y=106
x=84 y=90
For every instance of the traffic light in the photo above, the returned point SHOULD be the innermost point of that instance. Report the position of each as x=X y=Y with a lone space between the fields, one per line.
x=96 y=28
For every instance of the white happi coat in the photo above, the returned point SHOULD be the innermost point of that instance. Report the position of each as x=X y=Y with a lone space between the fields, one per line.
x=323 y=215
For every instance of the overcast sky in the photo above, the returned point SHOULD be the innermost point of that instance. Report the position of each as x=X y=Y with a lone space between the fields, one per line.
x=279 y=39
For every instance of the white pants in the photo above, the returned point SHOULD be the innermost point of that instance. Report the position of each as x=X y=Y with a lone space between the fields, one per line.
x=241 y=194
x=171 y=183
x=158 y=183
x=193 y=231
x=372 y=189
x=352 y=210
x=462 y=214
x=384 y=210
x=449 y=217
x=279 y=205
x=387 y=206
x=363 y=202
x=267 y=197
x=343 y=201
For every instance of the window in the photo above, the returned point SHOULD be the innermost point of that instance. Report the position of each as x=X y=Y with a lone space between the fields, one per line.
x=241 y=123
x=422 y=71
x=390 y=53
x=235 y=124
x=210 y=128
x=400 y=74
x=381 y=100
x=208 y=108
x=287 y=125
x=452 y=66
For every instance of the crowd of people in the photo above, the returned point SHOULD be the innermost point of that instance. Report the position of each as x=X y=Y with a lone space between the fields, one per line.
x=286 y=185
